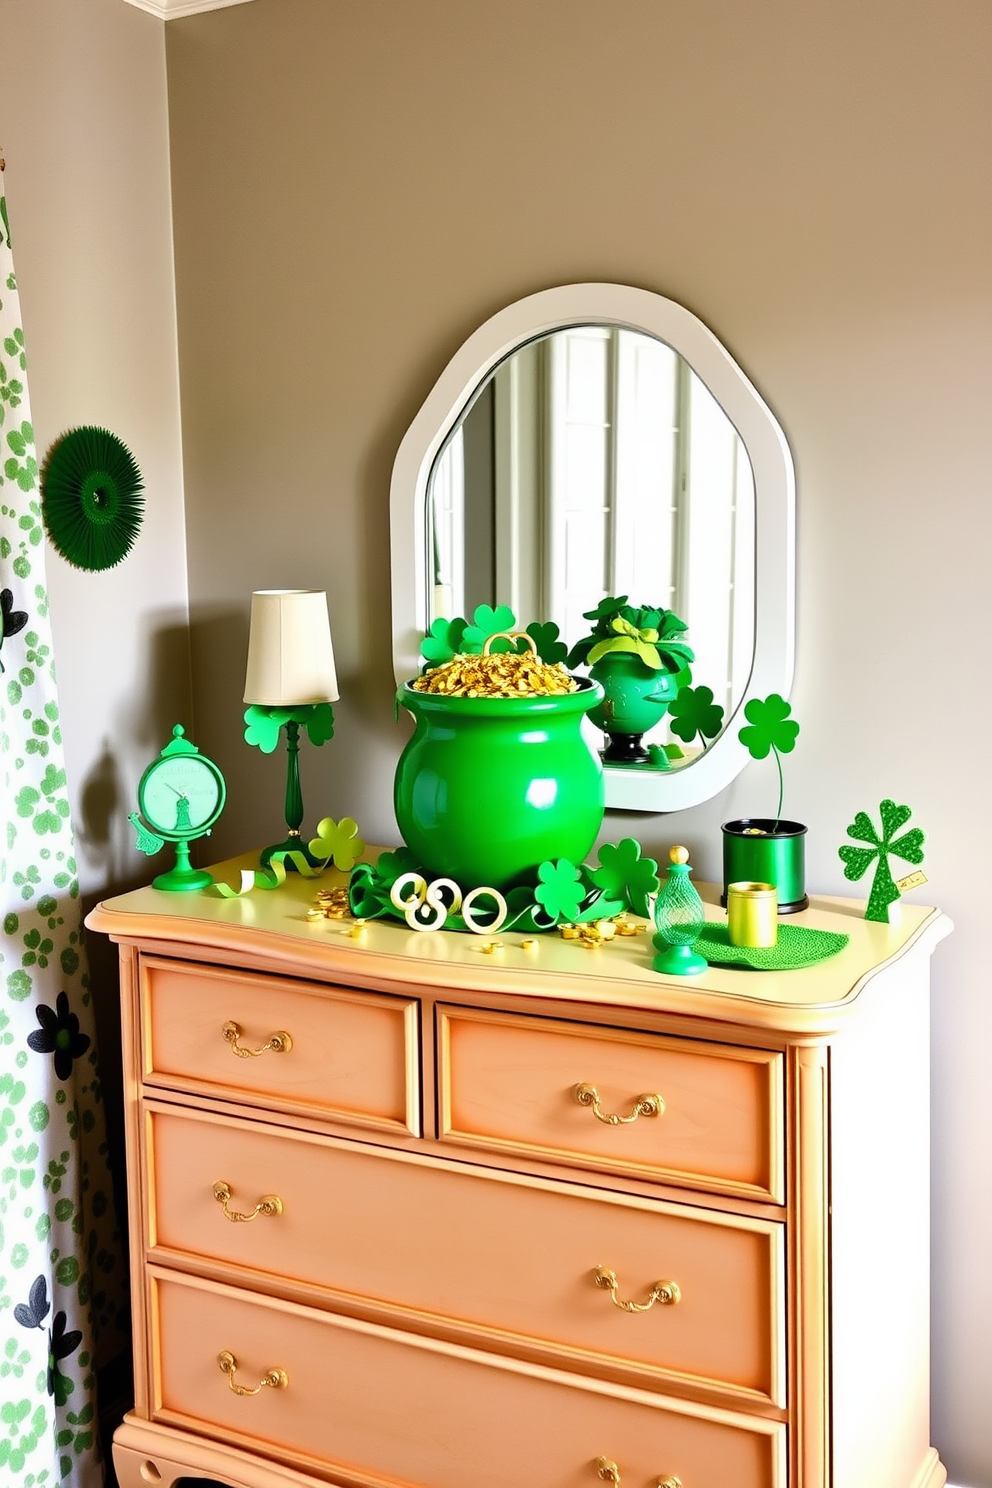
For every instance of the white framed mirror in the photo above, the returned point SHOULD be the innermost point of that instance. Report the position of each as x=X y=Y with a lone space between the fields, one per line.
x=598 y=439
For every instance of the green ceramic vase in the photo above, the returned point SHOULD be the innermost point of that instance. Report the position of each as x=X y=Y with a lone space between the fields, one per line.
x=487 y=789
x=635 y=698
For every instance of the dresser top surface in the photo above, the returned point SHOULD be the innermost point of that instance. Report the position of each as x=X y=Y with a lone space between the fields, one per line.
x=271 y=927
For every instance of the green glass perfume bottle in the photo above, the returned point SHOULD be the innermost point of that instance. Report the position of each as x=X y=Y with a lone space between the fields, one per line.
x=678 y=918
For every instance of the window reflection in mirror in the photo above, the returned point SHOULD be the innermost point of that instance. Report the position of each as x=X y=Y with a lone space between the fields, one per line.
x=594 y=461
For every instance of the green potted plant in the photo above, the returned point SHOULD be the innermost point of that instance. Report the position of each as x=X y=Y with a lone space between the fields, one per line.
x=636 y=654
x=762 y=849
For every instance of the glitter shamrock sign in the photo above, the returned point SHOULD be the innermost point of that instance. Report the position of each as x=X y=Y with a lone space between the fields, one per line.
x=885 y=891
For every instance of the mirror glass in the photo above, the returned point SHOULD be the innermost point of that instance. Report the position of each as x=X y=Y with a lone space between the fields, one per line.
x=593 y=462
x=592 y=440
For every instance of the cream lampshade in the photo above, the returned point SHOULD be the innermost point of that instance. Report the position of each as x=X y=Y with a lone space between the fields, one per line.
x=290 y=657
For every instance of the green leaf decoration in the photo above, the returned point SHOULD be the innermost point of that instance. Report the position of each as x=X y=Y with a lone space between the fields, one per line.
x=625 y=876
x=365 y=900
x=265 y=723
x=91 y=498
x=770 y=727
x=392 y=865
x=263 y=728
x=693 y=712
x=606 y=609
x=443 y=642
x=546 y=638
x=319 y=722
x=857 y=860
x=560 y=891
x=337 y=842
x=488 y=622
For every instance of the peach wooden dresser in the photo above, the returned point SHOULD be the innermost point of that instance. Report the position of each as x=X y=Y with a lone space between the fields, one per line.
x=405 y=1212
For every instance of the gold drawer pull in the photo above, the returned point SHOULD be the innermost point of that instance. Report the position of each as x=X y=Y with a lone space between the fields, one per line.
x=644 y=1105
x=276 y=1379
x=267 y=1204
x=279 y=1043
x=610 y=1473
x=665 y=1292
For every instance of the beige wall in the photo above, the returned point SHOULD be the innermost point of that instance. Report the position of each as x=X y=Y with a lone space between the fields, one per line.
x=359 y=183
x=84 y=123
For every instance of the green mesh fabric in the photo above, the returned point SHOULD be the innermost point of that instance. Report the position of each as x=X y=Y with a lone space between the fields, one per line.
x=797 y=946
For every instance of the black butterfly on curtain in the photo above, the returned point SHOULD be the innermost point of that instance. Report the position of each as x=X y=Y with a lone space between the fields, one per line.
x=11 y=620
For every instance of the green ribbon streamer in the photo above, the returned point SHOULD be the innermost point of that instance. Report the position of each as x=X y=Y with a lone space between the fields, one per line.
x=273 y=877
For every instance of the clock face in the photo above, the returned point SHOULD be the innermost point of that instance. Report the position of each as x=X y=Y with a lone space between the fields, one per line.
x=182 y=796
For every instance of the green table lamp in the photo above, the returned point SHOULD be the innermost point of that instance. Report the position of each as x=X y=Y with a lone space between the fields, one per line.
x=290 y=681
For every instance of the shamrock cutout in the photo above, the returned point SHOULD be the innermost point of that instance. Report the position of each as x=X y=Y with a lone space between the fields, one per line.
x=857 y=860
x=771 y=727
x=487 y=622
x=443 y=641
x=550 y=649
x=560 y=890
x=11 y=620
x=264 y=724
x=693 y=712
x=59 y=1035
x=337 y=841
x=624 y=875
x=319 y=722
x=392 y=864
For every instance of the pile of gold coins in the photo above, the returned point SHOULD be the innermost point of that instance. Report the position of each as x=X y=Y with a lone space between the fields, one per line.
x=500 y=674
x=332 y=904
x=596 y=933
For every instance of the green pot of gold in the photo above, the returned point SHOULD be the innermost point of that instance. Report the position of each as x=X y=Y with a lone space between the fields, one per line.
x=488 y=788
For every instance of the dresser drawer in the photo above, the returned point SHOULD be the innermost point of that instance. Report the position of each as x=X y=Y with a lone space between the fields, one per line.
x=386 y=1406
x=516 y=1257
x=513 y=1084
x=352 y=1056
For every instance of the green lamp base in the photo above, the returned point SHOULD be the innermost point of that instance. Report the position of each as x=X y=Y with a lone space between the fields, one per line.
x=678 y=960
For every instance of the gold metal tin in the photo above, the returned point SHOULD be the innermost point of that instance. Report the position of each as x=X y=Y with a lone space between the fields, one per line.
x=752 y=914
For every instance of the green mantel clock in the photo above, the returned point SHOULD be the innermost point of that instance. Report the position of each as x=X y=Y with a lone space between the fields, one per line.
x=180 y=796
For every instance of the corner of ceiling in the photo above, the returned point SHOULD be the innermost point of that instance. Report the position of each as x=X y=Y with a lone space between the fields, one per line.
x=167 y=10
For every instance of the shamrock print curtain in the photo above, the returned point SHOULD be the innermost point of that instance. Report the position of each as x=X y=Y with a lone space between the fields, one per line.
x=62 y=1288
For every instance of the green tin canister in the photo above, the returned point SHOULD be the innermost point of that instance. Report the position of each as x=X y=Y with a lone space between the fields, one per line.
x=763 y=850
x=487 y=789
